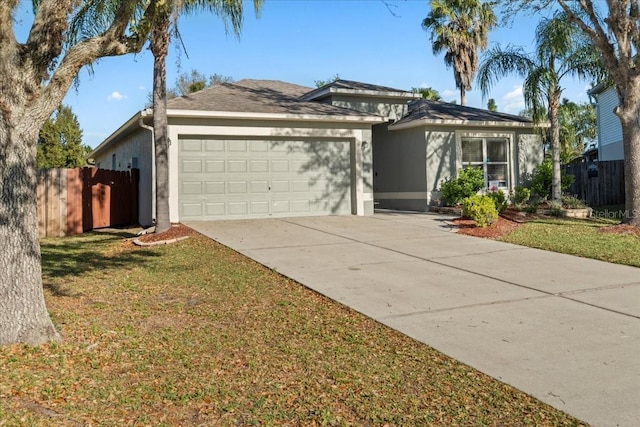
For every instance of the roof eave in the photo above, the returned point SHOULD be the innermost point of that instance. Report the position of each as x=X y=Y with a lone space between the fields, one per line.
x=127 y=126
x=274 y=116
x=327 y=91
x=598 y=89
x=464 y=123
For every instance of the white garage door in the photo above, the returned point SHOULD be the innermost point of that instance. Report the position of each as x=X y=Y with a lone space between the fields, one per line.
x=246 y=178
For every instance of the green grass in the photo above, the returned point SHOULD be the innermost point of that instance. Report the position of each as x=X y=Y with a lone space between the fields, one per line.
x=579 y=237
x=196 y=334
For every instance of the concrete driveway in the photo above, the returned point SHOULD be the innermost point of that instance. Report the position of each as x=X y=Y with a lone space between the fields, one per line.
x=561 y=328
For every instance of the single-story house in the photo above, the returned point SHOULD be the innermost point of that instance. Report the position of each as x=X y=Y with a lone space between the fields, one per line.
x=262 y=148
x=610 y=146
x=414 y=155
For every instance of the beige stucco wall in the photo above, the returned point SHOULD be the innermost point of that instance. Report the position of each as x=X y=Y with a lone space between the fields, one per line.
x=392 y=108
x=358 y=133
x=530 y=155
x=411 y=164
x=399 y=172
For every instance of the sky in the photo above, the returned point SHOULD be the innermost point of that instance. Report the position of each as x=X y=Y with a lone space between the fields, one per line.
x=296 y=41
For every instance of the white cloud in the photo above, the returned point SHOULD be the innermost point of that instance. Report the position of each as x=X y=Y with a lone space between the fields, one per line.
x=512 y=102
x=449 y=94
x=141 y=87
x=116 y=96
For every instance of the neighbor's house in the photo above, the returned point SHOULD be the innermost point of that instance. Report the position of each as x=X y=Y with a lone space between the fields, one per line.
x=260 y=148
x=610 y=146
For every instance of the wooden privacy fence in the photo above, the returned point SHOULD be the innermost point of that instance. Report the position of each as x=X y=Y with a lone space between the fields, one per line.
x=72 y=201
x=598 y=183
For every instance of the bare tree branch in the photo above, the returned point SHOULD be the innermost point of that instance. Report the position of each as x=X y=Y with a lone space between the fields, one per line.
x=389 y=7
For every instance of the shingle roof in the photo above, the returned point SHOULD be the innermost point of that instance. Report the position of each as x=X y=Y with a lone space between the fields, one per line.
x=257 y=96
x=356 y=88
x=443 y=111
x=353 y=85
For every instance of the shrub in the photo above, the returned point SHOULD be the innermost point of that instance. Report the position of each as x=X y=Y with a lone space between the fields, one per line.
x=468 y=182
x=541 y=179
x=572 y=202
x=555 y=208
x=499 y=200
x=481 y=209
x=521 y=195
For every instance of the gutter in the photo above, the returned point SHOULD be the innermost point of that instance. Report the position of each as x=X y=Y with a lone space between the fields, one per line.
x=465 y=123
x=274 y=116
x=143 y=114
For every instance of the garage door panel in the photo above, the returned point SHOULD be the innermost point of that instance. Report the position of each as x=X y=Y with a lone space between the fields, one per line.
x=300 y=206
x=301 y=186
x=215 y=209
x=235 y=146
x=258 y=146
x=214 y=166
x=237 y=166
x=262 y=178
x=259 y=187
x=280 y=186
x=259 y=166
x=237 y=187
x=260 y=207
x=214 y=188
x=279 y=166
x=192 y=187
x=214 y=146
x=238 y=208
x=281 y=206
x=191 y=166
x=191 y=145
x=191 y=210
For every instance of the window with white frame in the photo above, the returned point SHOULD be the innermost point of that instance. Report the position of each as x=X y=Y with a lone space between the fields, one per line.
x=491 y=154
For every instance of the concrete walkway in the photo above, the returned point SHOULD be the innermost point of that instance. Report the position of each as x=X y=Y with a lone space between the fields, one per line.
x=563 y=329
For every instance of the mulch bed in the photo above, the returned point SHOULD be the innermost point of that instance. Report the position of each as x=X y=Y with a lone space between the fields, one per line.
x=508 y=221
x=511 y=219
x=175 y=232
x=498 y=229
x=621 y=229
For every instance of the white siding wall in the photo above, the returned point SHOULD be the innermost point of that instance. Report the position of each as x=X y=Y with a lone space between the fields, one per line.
x=138 y=145
x=609 y=128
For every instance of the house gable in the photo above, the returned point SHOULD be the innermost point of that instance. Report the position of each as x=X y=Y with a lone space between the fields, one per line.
x=373 y=99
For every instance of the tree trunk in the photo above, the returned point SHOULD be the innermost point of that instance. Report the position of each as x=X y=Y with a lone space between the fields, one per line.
x=463 y=97
x=556 y=184
x=23 y=315
x=631 y=143
x=159 y=48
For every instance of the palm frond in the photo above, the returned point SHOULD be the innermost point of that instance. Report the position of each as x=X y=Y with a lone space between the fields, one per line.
x=498 y=63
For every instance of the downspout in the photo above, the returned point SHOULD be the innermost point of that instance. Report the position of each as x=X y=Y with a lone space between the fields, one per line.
x=149 y=113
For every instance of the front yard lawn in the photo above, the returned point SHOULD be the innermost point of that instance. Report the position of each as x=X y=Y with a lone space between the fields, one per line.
x=585 y=238
x=196 y=334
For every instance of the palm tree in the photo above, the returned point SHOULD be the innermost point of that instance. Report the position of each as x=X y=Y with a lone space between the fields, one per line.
x=427 y=93
x=161 y=23
x=561 y=51
x=459 y=28
x=166 y=15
